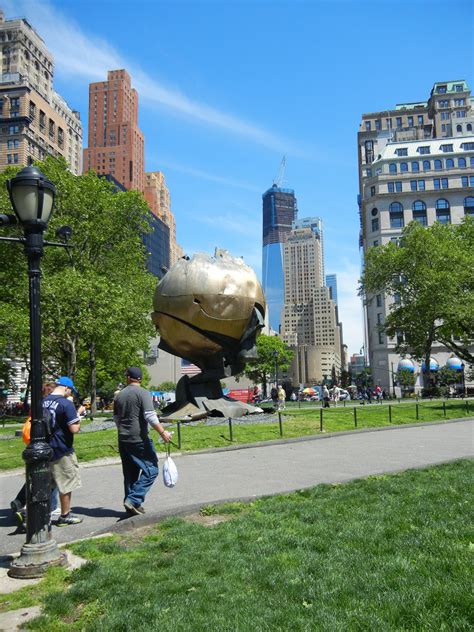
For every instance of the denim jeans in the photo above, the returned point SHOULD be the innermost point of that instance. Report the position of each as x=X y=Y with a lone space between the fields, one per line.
x=140 y=469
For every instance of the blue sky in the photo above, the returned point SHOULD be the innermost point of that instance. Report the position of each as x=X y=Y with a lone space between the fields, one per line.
x=227 y=88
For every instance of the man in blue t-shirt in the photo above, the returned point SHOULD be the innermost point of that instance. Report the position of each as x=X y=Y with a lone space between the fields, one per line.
x=65 y=422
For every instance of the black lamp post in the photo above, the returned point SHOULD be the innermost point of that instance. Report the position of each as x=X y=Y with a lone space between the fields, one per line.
x=463 y=380
x=32 y=198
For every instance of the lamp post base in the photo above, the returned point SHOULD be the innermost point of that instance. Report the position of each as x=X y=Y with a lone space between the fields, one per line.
x=35 y=559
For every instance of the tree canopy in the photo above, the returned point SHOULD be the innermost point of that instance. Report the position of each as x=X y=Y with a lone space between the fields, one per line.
x=96 y=300
x=272 y=353
x=429 y=274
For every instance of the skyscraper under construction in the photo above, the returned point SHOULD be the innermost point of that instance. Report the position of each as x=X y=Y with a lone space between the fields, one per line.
x=279 y=212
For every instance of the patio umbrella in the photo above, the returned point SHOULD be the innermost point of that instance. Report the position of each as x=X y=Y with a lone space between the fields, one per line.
x=309 y=391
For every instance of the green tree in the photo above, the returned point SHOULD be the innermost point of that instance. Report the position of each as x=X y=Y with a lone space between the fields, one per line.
x=167 y=386
x=345 y=378
x=272 y=354
x=429 y=275
x=406 y=379
x=96 y=299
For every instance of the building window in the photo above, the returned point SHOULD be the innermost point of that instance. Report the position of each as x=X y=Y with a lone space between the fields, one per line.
x=464 y=181
x=415 y=166
x=469 y=206
x=413 y=185
x=391 y=187
x=419 y=212
x=444 y=103
x=461 y=114
x=461 y=162
x=403 y=166
x=443 y=127
x=449 y=163
x=375 y=224
x=445 y=116
x=444 y=183
x=378 y=298
x=443 y=212
x=368 y=173
x=13 y=129
x=410 y=121
x=369 y=151
x=396 y=215
x=392 y=167
x=376 y=243
x=426 y=165
x=459 y=128
x=374 y=212
x=378 y=124
x=368 y=126
x=399 y=122
x=372 y=191
x=438 y=165
x=420 y=119
x=458 y=87
x=469 y=127
x=467 y=146
x=446 y=148
x=402 y=151
x=398 y=186
x=421 y=185
x=424 y=150
x=437 y=183
x=14 y=103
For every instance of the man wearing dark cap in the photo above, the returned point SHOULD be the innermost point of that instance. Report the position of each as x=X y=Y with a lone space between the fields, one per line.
x=65 y=422
x=133 y=412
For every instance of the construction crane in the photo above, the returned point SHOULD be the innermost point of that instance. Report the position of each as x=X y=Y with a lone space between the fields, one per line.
x=278 y=181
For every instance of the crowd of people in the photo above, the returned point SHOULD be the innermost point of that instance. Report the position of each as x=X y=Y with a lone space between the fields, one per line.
x=134 y=413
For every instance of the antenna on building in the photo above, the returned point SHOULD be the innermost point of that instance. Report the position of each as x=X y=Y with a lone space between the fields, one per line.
x=278 y=181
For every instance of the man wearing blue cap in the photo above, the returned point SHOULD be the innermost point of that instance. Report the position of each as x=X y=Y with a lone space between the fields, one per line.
x=65 y=422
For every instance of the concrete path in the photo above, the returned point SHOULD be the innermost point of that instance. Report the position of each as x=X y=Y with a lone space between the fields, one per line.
x=253 y=471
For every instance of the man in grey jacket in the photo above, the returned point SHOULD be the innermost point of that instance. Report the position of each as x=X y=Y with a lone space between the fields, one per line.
x=133 y=413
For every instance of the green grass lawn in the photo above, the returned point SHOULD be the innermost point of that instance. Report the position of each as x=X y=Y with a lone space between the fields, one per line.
x=297 y=422
x=384 y=553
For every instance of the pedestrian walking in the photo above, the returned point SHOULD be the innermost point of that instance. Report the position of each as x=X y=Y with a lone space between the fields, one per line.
x=281 y=397
x=133 y=413
x=326 y=397
x=65 y=422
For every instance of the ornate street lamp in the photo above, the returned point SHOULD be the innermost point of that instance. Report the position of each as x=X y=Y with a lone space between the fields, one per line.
x=32 y=198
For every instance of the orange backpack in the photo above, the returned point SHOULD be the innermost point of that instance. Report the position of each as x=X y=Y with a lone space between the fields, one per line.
x=26 y=431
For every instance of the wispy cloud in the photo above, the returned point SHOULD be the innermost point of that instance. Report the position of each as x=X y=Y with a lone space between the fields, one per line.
x=80 y=55
x=230 y=223
x=204 y=175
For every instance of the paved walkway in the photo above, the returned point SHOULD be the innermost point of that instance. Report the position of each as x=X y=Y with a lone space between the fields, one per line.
x=242 y=473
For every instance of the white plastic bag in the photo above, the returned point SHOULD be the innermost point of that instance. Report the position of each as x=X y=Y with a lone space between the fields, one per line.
x=170 y=472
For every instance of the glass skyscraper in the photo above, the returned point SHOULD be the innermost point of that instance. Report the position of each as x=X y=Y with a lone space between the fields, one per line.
x=279 y=213
x=331 y=283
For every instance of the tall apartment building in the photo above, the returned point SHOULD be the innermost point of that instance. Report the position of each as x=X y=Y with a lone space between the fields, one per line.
x=279 y=212
x=157 y=196
x=115 y=143
x=309 y=322
x=35 y=121
x=416 y=163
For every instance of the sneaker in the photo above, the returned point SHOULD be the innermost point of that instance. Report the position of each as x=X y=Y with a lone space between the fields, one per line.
x=55 y=514
x=132 y=510
x=70 y=518
x=16 y=506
